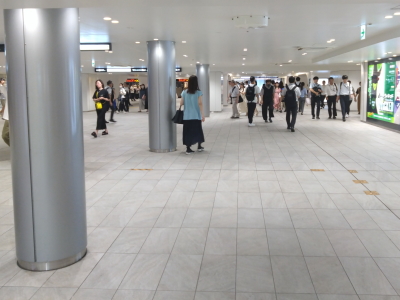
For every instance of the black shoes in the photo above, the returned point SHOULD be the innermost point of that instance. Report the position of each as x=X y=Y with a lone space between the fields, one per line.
x=318 y=118
x=94 y=134
x=189 y=151
x=334 y=117
x=344 y=119
x=107 y=122
x=104 y=133
x=313 y=117
x=270 y=120
x=330 y=117
x=266 y=121
x=200 y=149
x=113 y=121
x=288 y=127
x=292 y=129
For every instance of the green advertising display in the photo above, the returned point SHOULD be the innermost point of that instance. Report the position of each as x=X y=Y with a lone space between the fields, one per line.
x=382 y=101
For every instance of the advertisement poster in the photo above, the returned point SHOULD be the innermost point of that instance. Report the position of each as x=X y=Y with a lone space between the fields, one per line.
x=384 y=92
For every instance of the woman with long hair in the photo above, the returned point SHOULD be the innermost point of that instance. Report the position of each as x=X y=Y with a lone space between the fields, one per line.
x=277 y=97
x=192 y=100
x=102 y=100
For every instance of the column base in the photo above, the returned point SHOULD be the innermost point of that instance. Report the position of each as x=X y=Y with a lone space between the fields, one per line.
x=51 y=265
x=162 y=150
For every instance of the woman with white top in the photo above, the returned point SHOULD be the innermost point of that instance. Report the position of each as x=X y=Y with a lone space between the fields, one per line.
x=121 y=98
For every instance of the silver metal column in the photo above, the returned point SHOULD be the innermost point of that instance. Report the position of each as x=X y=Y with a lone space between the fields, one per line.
x=162 y=95
x=45 y=106
x=203 y=76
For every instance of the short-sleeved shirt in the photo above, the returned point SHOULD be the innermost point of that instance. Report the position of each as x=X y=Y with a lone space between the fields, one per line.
x=102 y=93
x=303 y=92
x=257 y=91
x=191 y=103
x=296 y=91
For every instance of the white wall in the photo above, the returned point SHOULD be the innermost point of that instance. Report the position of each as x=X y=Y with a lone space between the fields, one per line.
x=89 y=80
x=215 y=91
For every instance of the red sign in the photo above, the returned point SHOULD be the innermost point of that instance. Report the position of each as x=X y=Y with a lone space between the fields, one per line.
x=132 y=80
x=183 y=80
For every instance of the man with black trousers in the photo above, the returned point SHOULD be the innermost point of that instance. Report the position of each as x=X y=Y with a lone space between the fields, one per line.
x=253 y=96
x=344 y=93
x=331 y=92
x=291 y=95
x=267 y=100
x=110 y=90
x=316 y=90
x=126 y=99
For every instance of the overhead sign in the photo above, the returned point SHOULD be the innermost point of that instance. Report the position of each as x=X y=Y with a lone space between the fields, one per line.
x=363 y=32
x=178 y=69
x=182 y=80
x=132 y=80
x=100 y=70
x=138 y=69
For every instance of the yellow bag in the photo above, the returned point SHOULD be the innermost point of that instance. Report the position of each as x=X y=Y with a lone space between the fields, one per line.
x=99 y=105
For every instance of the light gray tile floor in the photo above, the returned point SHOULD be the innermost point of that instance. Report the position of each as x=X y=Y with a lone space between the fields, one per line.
x=245 y=220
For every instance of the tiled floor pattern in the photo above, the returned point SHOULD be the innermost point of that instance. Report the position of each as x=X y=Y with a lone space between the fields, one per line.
x=245 y=220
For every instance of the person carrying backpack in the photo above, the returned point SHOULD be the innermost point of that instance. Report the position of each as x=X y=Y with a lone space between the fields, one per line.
x=291 y=95
x=252 y=95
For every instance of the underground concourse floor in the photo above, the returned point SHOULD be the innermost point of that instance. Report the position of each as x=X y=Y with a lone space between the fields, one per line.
x=262 y=214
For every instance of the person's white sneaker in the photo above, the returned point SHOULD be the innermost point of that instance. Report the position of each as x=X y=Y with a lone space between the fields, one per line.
x=347 y=115
x=252 y=125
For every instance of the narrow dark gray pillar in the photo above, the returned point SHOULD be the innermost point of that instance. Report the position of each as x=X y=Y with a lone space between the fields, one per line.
x=203 y=76
x=44 y=89
x=162 y=95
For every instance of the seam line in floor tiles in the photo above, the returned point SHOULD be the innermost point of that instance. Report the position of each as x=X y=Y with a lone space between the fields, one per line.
x=350 y=172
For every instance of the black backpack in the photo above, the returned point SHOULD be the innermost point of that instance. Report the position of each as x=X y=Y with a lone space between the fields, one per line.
x=251 y=93
x=290 y=97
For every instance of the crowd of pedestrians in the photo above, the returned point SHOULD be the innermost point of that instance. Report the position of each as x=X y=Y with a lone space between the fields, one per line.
x=291 y=98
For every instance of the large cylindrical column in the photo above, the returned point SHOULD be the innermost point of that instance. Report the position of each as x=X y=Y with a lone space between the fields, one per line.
x=203 y=76
x=162 y=95
x=45 y=106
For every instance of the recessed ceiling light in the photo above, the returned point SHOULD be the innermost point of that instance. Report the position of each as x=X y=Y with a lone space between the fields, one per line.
x=388 y=17
x=378 y=58
x=358 y=64
x=389 y=52
x=107 y=63
x=115 y=21
x=365 y=60
x=242 y=64
x=109 y=51
x=290 y=61
x=350 y=61
x=332 y=40
x=137 y=42
x=280 y=65
x=197 y=62
x=155 y=39
x=242 y=72
x=244 y=58
x=304 y=54
x=245 y=49
x=184 y=55
x=213 y=64
x=81 y=66
x=107 y=19
x=183 y=42
x=329 y=41
x=397 y=13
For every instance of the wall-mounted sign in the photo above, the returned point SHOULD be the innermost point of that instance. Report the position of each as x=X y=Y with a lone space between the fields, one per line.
x=178 y=69
x=138 y=69
x=363 y=32
x=95 y=47
x=133 y=80
x=182 y=80
x=100 y=70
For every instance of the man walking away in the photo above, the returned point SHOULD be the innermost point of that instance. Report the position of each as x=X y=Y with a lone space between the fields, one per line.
x=126 y=99
x=234 y=96
x=267 y=100
x=323 y=94
x=291 y=94
x=345 y=91
x=315 y=89
x=298 y=81
x=252 y=92
x=331 y=92
x=110 y=90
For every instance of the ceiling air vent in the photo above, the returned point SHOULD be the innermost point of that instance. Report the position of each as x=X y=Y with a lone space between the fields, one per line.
x=312 y=49
x=251 y=22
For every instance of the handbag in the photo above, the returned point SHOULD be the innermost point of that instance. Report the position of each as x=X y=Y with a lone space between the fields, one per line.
x=308 y=101
x=240 y=99
x=99 y=105
x=178 y=118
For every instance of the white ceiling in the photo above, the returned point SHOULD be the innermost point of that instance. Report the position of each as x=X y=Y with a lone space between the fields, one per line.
x=212 y=38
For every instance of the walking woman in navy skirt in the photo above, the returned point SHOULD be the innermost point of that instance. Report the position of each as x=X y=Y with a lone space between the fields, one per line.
x=193 y=116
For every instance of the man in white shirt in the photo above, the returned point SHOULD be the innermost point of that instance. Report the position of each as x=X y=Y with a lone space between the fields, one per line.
x=331 y=92
x=323 y=94
x=316 y=90
x=234 y=96
x=344 y=93
x=291 y=94
x=252 y=93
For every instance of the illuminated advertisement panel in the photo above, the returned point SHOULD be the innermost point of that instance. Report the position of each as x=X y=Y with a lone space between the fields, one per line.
x=383 y=96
